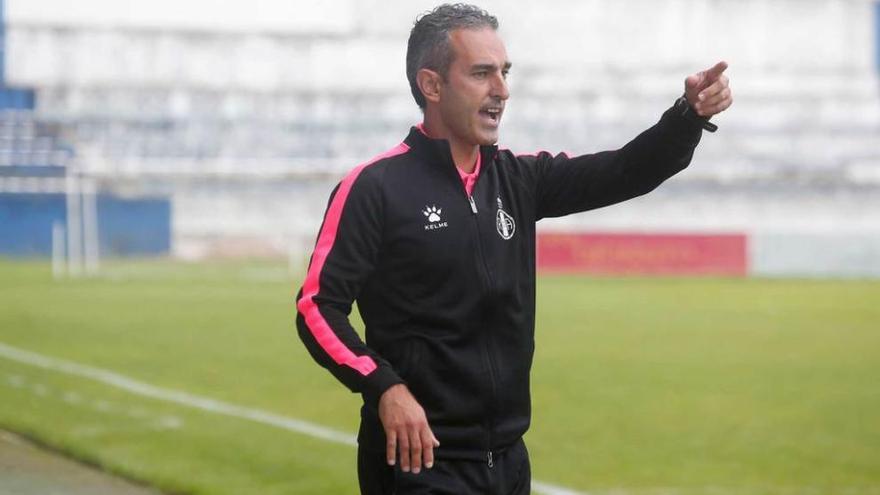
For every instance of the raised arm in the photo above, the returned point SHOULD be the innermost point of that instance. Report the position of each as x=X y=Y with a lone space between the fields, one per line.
x=565 y=184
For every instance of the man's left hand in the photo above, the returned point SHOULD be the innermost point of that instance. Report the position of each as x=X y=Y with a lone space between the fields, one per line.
x=708 y=91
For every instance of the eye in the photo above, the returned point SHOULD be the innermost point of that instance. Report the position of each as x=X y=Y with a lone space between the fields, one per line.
x=481 y=74
x=504 y=73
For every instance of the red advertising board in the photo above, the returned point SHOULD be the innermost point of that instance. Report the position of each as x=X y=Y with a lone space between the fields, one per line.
x=643 y=254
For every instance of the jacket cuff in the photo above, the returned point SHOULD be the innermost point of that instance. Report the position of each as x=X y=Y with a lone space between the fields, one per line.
x=377 y=382
x=686 y=132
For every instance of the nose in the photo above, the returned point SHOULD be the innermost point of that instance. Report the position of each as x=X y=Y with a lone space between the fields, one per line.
x=500 y=89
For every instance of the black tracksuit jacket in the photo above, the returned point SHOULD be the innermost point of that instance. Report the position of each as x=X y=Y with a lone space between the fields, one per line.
x=445 y=283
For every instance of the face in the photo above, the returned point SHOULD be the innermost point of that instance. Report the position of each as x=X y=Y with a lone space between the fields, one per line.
x=472 y=96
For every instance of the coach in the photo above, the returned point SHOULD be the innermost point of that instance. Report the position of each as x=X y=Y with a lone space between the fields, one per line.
x=435 y=240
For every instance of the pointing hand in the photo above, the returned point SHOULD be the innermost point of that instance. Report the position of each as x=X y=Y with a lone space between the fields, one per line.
x=708 y=91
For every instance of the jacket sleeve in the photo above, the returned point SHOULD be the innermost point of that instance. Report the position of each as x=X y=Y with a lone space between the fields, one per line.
x=345 y=255
x=565 y=185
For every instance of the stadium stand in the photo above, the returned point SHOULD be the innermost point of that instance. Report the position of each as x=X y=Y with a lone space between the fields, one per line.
x=247 y=118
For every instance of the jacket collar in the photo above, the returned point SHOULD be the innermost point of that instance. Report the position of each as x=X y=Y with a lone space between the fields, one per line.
x=439 y=151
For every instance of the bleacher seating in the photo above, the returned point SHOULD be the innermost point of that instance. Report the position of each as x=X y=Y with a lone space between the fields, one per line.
x=32 y=154
x=297 y=102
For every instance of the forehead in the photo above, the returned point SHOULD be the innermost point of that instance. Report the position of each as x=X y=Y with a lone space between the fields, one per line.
x=478 y=46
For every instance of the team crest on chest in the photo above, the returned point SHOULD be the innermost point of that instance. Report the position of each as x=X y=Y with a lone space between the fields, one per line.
x=504 y=223
x=435 y=221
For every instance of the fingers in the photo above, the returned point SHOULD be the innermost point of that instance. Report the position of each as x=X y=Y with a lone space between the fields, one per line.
x=708 y=111
x=415 y=451
x=715 y=72
x=416 y=445
x=713 y=89
x=409 y=439
x=694 y=81
x=391 y=447
x=418 y=450
x=714 y=99
x=703 y=80
x=403 y=442
x=428 y=445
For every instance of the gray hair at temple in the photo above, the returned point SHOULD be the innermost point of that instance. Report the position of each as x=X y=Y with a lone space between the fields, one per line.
x=429 y=46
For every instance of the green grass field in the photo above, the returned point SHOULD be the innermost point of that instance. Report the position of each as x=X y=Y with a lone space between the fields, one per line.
x=640 y=386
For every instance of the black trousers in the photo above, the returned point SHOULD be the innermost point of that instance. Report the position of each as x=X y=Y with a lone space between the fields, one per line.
x=510 y=474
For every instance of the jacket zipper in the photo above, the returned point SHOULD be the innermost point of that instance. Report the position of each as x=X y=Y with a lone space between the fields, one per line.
x=490 y=462
x=473 y=205
x=489 y=361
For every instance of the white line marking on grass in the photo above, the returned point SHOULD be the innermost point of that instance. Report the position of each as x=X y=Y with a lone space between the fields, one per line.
x=41 y=390
x=91 y=431
x=168 y=423
x=136 y=412
x=15 y=381
x=208 y=404
x=103 y=406
x=155 y=421
x=175 y=396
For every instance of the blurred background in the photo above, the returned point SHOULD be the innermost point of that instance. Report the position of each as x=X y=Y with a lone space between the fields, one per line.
x=198 y=130
x=164 y=169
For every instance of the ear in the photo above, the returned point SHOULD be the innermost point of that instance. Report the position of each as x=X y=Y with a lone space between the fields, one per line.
x=429 y=83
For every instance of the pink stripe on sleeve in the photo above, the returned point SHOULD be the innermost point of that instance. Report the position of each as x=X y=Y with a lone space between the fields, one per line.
x=324 y=335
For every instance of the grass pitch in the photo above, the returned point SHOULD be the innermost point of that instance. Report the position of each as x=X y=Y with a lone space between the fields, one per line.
x=640 y=386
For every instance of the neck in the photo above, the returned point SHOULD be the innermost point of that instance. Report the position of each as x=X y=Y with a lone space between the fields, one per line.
x=465 y=157
x=463 y=154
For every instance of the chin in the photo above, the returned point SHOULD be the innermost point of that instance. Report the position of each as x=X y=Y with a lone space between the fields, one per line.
x=487 y=139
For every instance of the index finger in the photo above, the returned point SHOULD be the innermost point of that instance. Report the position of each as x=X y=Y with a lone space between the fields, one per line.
x=715 y=72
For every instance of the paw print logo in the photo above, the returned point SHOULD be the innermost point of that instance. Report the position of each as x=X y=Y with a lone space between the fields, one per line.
x=433 y=213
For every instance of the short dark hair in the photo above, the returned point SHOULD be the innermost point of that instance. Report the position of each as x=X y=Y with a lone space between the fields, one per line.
x=428 y=46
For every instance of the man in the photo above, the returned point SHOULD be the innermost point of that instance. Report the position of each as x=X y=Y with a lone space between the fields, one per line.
x=435 y=239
